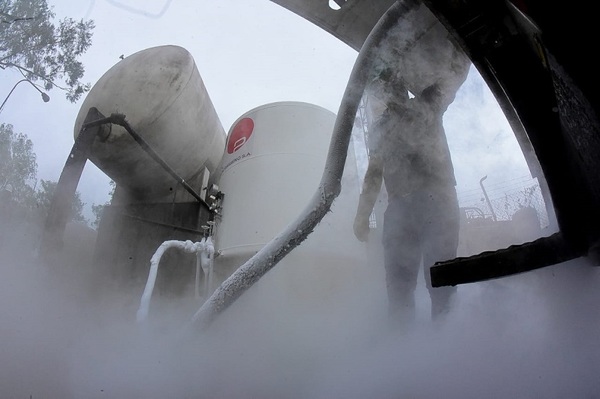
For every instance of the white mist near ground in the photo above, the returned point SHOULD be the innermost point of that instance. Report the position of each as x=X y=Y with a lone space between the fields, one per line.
x=532 y=335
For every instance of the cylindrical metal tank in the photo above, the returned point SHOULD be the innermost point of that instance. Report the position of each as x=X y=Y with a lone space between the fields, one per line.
x=271 y=168
x=164 y=99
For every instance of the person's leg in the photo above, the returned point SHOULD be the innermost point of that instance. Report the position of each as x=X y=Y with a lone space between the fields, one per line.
x=441 y=243
x=402 y=255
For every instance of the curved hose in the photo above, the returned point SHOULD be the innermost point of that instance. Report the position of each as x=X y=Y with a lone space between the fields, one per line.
x=204 y=250
x=329 y=188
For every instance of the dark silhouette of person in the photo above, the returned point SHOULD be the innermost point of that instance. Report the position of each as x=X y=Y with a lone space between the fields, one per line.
x=409 y=153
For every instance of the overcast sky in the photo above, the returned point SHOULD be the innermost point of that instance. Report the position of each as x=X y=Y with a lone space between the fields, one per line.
x=249 y=53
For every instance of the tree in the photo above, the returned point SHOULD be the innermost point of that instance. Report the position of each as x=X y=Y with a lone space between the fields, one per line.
x=45 y=195
x=40 y=50
x=18 y=169
x=18 y=166
x=98 y=209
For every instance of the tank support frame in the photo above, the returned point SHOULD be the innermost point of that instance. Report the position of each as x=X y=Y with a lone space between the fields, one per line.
x=94 y=126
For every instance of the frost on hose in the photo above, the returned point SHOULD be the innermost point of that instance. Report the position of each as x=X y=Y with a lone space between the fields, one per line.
x=329 y=188
x=204 y=251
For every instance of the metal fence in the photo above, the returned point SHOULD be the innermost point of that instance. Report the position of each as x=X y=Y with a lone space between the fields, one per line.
x=506 y=198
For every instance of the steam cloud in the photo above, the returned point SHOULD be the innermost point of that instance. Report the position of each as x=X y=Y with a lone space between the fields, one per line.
x=528 y=336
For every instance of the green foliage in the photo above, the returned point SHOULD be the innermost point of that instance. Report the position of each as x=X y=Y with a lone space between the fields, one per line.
x=40 y=49
x=18 y=167
x=44 y=197
x=18 y=172
x=98 y=209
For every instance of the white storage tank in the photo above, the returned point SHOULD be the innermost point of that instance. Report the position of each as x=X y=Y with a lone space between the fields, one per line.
x=271 y=168
x=164 y=99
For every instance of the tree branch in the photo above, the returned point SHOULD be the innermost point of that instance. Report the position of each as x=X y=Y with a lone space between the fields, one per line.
x=12 y=20
x=24 y=70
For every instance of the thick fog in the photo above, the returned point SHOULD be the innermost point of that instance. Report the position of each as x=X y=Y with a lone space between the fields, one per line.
x=315 y=330
x=528 y=336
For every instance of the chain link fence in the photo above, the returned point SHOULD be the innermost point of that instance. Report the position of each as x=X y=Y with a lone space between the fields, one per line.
x=506 y=198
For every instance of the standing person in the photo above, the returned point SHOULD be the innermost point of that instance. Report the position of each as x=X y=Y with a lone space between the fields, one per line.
x=409 y=153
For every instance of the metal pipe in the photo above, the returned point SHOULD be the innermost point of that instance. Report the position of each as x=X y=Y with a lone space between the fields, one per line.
x=171 y=226
x=45 y=96
x=119 y=119
x=487 y=198
x=186 y=246
x=329 y=188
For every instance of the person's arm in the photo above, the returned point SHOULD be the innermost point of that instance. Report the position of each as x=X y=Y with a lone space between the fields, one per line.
x=368 y=196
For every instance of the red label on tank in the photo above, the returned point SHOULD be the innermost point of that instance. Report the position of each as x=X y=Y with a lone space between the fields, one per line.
x=240 y=135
